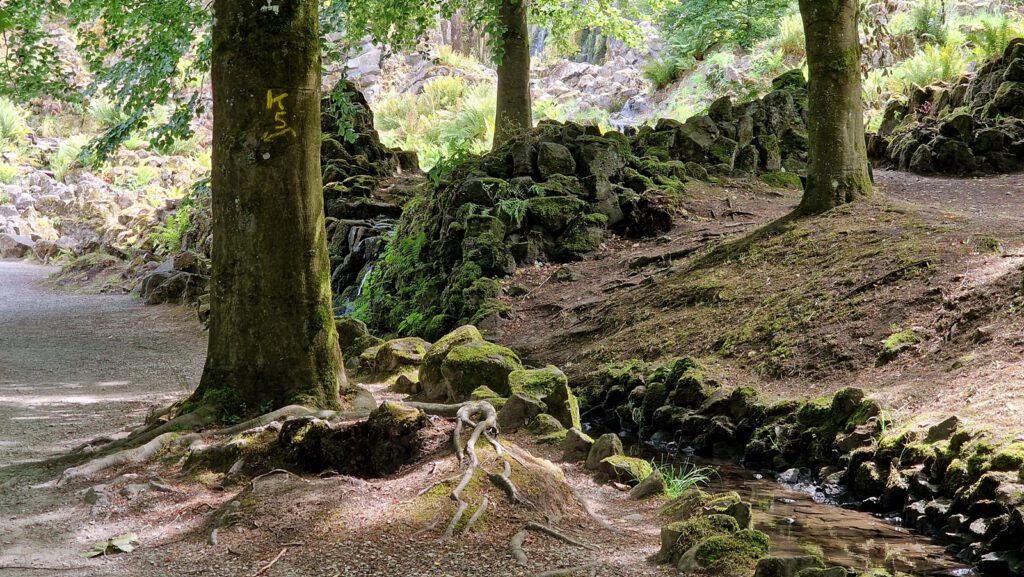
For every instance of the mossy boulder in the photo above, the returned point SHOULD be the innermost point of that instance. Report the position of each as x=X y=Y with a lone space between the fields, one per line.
x=652 y=485
x=555 y=213
x=607 y=445
x=624 y=469
x=407 y=383
x=349 y=330
x=679 y=537
x=553 y=158
x=834 y=571
x=476 y=364
x=1009 y=458
x=550 y=385
x=431 y=377
x=483 y=394
x=786 y=566
x=733 y=554
x=354 y=337
x=790 y=80
x=408 y=351
x=544 y=424
x=576 y=445
x=518 y=411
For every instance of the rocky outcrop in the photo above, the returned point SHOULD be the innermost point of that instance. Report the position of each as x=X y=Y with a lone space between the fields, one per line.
x=972 y=126
x=939 y=477
x=554 y=195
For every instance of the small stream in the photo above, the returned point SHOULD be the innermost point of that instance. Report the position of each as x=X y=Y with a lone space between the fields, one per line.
x=801 y=521
x=796 y=522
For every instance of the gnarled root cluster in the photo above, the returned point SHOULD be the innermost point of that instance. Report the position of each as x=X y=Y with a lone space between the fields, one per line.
x=147 y=441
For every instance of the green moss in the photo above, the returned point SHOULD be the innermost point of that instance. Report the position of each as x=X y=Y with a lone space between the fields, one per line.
x=626 y=469
x=957 y=475
x=697 y=530
x=734 y=554
x=1009 y=458
x=894 y=342
x=544 y=424
x=815 y=412
x=554 y=438
x=782 y=179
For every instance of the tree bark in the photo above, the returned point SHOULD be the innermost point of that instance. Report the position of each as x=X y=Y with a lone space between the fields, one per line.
x=514 y=112
x=837 y=170
x=272 y=337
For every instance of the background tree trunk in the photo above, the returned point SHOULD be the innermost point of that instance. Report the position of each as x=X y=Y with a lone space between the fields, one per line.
x=272 y=335
x=514 y=112
x=837 y=170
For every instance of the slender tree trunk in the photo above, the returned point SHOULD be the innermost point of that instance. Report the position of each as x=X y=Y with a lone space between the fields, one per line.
x=837 y=170
x=272 y=335
x=514 y=110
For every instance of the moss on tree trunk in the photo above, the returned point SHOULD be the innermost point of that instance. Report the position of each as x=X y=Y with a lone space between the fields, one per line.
x=514 y=112
x=837 y=170
x=272 y=336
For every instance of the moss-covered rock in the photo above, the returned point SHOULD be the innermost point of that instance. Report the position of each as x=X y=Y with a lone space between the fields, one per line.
x=734 y=554
x=652 y=485
x=773 y=566
x=555 y=213
x=476 y=364
x=544 y=424
x=518 y=411
x=1009 y=458
x=625 y=469
x=408 y=351
x=679 y=537
x=550 y=385
x=576 y=445
x=607 y=445
x=431 y=377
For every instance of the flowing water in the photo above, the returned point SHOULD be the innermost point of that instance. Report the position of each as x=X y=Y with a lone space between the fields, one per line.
x=798 y=523
x=801 y=520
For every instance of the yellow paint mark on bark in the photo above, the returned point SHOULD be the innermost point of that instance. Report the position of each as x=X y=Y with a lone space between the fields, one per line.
x=281 y=126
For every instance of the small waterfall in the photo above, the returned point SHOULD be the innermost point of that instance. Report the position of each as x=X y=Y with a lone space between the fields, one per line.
x=362 y=283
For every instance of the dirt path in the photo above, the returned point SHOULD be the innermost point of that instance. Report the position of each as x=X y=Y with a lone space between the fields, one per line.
x=73 y=367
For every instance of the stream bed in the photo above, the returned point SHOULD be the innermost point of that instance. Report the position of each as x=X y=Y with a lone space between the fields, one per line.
x=799 y=525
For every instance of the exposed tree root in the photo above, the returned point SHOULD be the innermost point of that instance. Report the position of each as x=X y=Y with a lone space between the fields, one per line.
x=476 y=515
x=486 y=426
x=252 y=483
x=271 y=564
x=586 y=507
x=516 y=543
x=144 y=442
x=552 y=532
x=135 y=455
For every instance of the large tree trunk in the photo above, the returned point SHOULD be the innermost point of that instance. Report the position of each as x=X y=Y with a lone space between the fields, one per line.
x=514 y=112
x=837 y=170
x=272 y=335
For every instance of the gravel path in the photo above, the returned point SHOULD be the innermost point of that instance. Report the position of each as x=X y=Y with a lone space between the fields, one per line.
x=73 y=367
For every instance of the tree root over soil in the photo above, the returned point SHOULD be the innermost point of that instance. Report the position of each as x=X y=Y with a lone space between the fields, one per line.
x=145 y=442
x=485 y=425
x=516 y=543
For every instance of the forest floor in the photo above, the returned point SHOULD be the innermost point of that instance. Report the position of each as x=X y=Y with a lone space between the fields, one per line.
x=75 y=366
x=799 y=308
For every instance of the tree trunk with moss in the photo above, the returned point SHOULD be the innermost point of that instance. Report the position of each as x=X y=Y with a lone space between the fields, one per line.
x=272 y=336
x=837 y=170
x=514 y=112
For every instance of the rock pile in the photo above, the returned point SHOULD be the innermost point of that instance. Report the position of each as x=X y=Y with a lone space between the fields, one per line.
x=940 y=478
x=973 y=126
x=761 y=135
x=44 y=217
